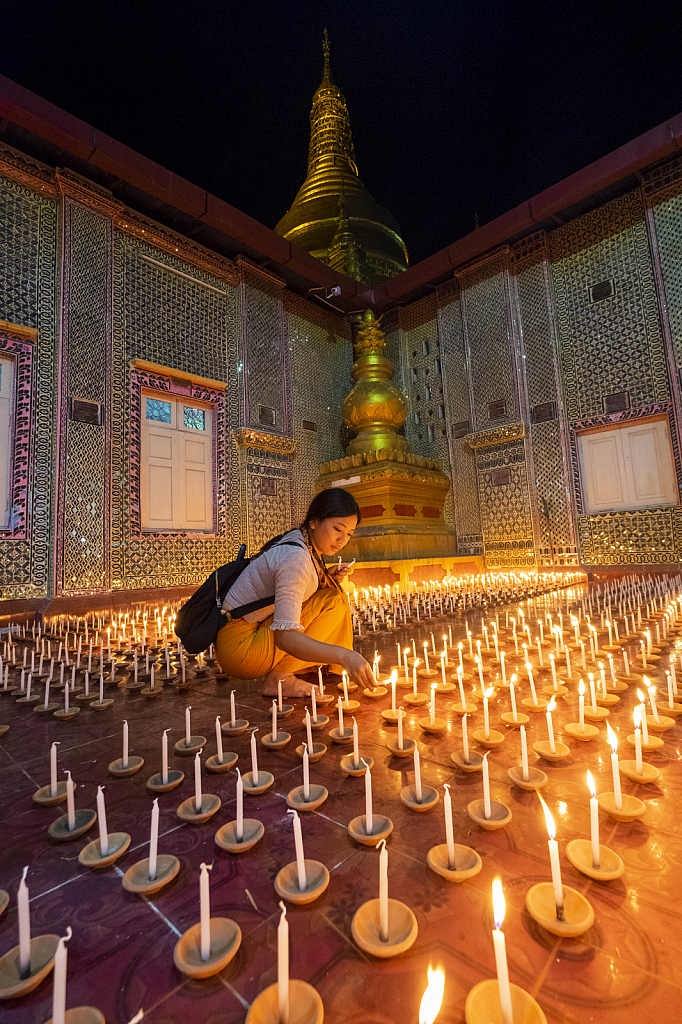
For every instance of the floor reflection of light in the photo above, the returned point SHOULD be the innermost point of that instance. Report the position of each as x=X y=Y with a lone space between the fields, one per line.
x=562 y=807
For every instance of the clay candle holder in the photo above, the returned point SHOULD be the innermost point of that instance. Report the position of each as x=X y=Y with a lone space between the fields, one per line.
x=357 y=829
x=415 y=701
x=348 y=766
x=577 y=915
x=317 y=751
x=102 y=705
x=560 y=690
x=596 y=714
x=91 y=855
x=493 y=739
x=631 y=806
x=536 y=706
x=351 y=707
x=229 y=761
x=321 y=723
x=653 y=743
x=430 y=798
x=579 y=852
x=285 y=710
x=252 y=832
x=226 y=938
x=402 y=929
x=240 y=726
x=287 y=887
x=483 y=1005
x=341 y=737
x=136 y=878
x=536 y=778
x=467 y=862
x=134 y=764
x=43 y=796
x=183 y=749
x=296 y=797
x=439 y=725
x=255 y=788
x=662 y=725
x=375 y=694
x=156 y=784
x=281 y=739
x=406 y=750
x=59 y=829
x=187 y=811
x=543 y=749
x=66 y=714
x=589 y=732
x=648 y=774
x=305 y=1005
x=521 y=719
x=500 y=814
x=473 y=763
x=390 y=716
x=12 y=983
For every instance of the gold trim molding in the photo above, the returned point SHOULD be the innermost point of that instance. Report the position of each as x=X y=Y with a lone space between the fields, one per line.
x=19 y=330
x=248 y=267
x=17 y=167
x=497 y=435
x=87 y=193
x=246 y=437
x=168 y=371
x=137 y=226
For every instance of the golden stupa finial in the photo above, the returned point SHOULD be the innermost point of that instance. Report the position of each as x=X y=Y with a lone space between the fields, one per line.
x=327 y=75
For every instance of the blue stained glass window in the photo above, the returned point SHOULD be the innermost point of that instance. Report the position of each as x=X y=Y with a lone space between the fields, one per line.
x=158 y=411
x=195 y=418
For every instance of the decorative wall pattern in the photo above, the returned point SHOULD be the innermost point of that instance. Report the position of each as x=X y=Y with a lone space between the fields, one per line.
x=646 y=537
x=665 y=210
x=28 y=269
x=615 y=344
x=506 y=514
x=262 y=350
x=82 y=509
x=177 y=316
x=22 y=354
x=267 y=508
x=320 y=357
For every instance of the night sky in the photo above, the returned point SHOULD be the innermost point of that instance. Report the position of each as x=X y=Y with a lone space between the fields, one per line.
x=456 y=108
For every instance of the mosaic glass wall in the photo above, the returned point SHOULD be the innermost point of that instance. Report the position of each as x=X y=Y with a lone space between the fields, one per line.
x=28 y=293
x=263 y=353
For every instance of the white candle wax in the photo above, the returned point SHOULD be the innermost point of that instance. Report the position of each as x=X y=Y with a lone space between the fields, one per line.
x=70 y=805
x=59 y=981
x=205 y=912
x=400 y=728
x=219 y=739
x=306 y=773
x=198 y=797
x=102 y=822
x=502 y=976
x=314 y=700
x=594 y=832
x=300 y=859
x=486 y=720
x=24 y=927
x=53 y=768
x=154 y=840
x=638 y=749
x=240 y=807
x=279 y=694
x=569 y=670
x=417 y=775
x=524 y=754
x=283 y=966
x=433 y=704
x=465 y=739
x=615 y=772
x=254 y=759
x=340 y=711
x=124 y=758
x=233 y=718
x=383 y=891
x=273 y=730
x=369 y=816
x=449 y=831
x=164 y=756
x=487 y=810
x=550 y=732
x=556 y=872
x=188 y=726
x=356 y=749
x=308 y=729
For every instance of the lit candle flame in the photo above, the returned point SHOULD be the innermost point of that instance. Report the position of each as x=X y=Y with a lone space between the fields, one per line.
x=640 y=695
x=551 y=827
x=433 y=996
x=581 y=688
x=590 y=785
x=489 y=692
x=613 y=739
x=498 y=902
x=393 y=676
x=551 y=705
x=637 y=716
x=406 y=651
x=514 y=677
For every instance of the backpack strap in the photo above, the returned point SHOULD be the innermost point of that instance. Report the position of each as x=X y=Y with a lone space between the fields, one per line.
x=253 y=606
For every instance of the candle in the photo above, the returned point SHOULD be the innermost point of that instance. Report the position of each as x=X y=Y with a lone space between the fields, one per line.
x=314 y=700
x=219 y=739
x=300 y=859
x=70 y=806
x=486 y=720
x=480 y=672
x=569 y=670
x=414 y=677
x=340 y=712
x=442 y=670
x=53 y=768
x=356 y=750
x=24 y=927
x=652 y=701
x=383 y=891
x=254 y=759
x=154 y=840
x=164 y=756
x=554 y=860
x=553 y=667
x=615 y=771
x=205 y=912
x=581 y=705
x=283 y=966
x=188 y=727
x=369 y=818
x=593 y=694
x=233 y=719
x=465 y=738
x=198 y=797
x=124 y=758
x=59 y=981
x=637 y=716
x=393 y=682
x=417 y=775
x=532 y=682
x=240 y=807
x=449 y=831
x=433 y=703
x=273 y=730
x=594 y=821
x=524 y=754
x=279 y=695
x=645 y=724
x=501 y=954
x=487 y=810
x=102 y=822
x=550 y=727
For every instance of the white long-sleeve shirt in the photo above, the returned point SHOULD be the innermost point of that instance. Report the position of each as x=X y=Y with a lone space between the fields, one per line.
x=285 y=571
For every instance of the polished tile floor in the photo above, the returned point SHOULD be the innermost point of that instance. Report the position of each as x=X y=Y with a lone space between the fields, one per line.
x=625 y=969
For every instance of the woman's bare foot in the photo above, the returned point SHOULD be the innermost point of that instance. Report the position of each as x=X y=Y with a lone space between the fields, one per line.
x=292 y=686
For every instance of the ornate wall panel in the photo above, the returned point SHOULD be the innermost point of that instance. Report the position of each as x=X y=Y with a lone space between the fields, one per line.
x=262 y=351
x=267 y=506
x=665 y=213
x=170 y=313
x=615 y=344
x=640 y=537
x=82 y=549
x=506 y=514
x=320 y=357
x=458 y=410
x=422 y=381
x=28 y=267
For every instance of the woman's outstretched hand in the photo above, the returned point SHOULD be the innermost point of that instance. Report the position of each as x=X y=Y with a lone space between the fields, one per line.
x=359 y=670
x=340 y=569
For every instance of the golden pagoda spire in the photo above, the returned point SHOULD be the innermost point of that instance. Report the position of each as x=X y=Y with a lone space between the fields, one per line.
x=313 y=220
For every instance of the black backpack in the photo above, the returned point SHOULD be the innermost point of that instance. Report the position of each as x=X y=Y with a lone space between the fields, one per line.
x=201 y=617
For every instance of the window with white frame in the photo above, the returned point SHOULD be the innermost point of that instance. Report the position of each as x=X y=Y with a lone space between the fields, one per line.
x=176 y=464
x=6 y=439
x=628 y=466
